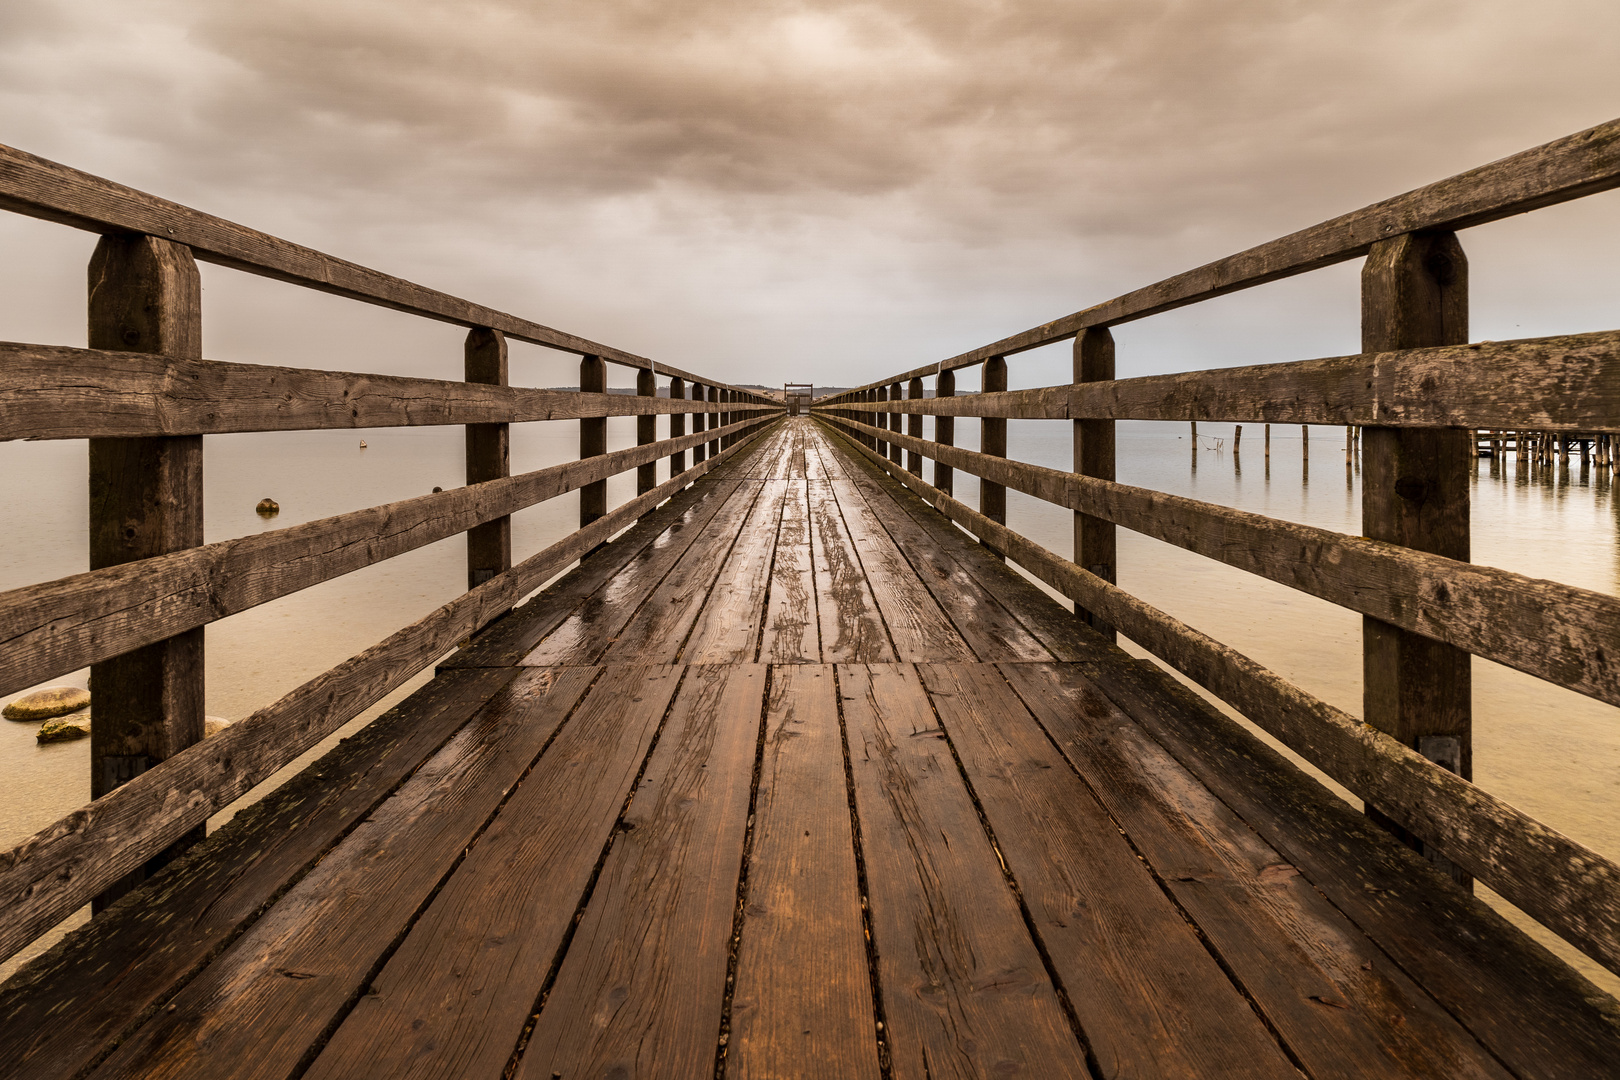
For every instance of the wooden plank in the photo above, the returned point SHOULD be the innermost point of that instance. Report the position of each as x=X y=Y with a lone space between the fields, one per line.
x=990 y=629
x=1148 y=994
x=505 y=642
x=592 y=440
x=803 y=998
x=51 y=874
x=851 y=626
x=657 y=631
x=1551 y=630
x=642 y=989
x=67 y=1008
x=1040 y=403
x=1341 y=1006
x=1054 y=626
x=668 y=530
x=59 y=626
x=963 y=988
x=260 y=1007
x=917 y=626
x=454 y=998
x=1535 y=1013
x=489 y=457
x=146 y=501
x=993 y=443
x=45 y=189
x=646 y=432
x=792 y=631
x=1567 y=887
x=729 y=628
x=57 y=392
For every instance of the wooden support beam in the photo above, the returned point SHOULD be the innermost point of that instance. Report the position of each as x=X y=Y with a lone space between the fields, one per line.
x=1095 y=546
x=146 y=500
x=944 y=430
x=993 y=441
x=677 y=425
x=489 y=457
x=700 y=423
x=914 y=460
x=714 y=418
x=646 y=432
x=896 y=420
x=1415 y=492
x=592 y=439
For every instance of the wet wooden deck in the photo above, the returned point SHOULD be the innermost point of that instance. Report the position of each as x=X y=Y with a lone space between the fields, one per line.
x=796 y=780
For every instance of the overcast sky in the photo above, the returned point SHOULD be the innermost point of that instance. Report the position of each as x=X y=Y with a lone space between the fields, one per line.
x=804 y=191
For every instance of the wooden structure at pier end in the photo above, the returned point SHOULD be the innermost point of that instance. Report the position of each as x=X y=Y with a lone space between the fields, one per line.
x=790 y=768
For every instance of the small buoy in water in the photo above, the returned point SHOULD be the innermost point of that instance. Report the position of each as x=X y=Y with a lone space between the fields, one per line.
x=437 y=490
x=44 y=704
x=267 y=508
x=362 y=444
x=213 y=725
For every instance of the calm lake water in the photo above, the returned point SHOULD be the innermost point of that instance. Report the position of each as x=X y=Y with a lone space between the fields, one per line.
x=1554 y=753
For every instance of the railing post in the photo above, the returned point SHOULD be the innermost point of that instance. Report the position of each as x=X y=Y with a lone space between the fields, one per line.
x=592 y=439
x=646 y=431
x=895 y=420
x=993 y=440
x=1094 y=538
x=914 y=459
x=489 y=457
x=714 y=419
x=944 y=431
x=146 y=499
x=701 y=450
x=677 y=427
x=1414 y=293
x=879 y=420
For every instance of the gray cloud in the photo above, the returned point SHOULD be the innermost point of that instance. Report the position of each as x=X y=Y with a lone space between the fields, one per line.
x=821 y=190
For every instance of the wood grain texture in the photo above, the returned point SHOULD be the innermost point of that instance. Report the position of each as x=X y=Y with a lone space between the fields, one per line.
x=52 y=873
x=1054 y=626
x=989 y=628
x=918 y=627
x=260 y=1006
x=45 y=189
x=489 y=457
x=642 y=987
x=1551 y=630
x=729 y=628
x=454 y=997
x=65 y=1009
x=59 y=626
x=852 y=628
x=57 y=392
x=661 y=625
x=802 y=1006
x=509 y=640
x=1291 y=950
x=1536 y=1014
x=1570 y=889
x=1149 y=996
x=792 y=629
x=964 y=990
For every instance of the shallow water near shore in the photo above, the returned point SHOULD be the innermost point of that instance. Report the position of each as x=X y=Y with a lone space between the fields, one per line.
x=1554 y=753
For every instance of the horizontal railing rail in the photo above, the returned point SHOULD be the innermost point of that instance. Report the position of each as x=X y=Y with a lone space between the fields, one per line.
x=153 y=583
x=56 y=392
x=1421 y=395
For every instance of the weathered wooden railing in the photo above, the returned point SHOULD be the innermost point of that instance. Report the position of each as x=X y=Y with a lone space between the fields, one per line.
x=144 y=397
x=1419 y=389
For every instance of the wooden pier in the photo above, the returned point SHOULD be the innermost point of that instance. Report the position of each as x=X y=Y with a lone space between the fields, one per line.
x=787 y=766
